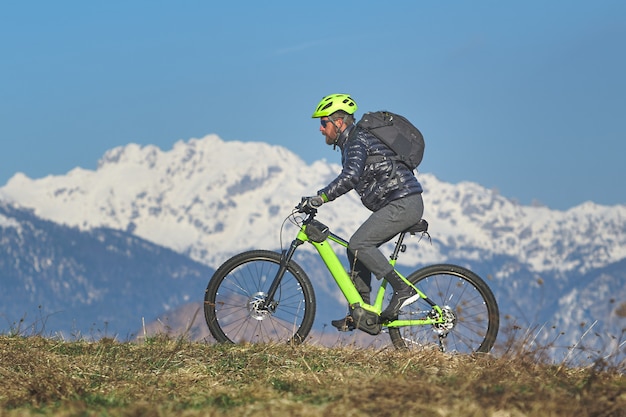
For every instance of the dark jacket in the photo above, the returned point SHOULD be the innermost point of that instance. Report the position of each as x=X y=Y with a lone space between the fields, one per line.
x=372 y=180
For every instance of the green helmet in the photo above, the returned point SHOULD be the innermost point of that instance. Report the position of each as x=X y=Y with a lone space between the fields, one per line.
x=334 y=102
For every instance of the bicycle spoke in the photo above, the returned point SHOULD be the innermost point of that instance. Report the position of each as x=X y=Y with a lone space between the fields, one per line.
x=470 y=318
x=237 y=309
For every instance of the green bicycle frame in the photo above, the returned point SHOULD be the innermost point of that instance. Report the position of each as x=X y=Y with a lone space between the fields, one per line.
x=347 y=287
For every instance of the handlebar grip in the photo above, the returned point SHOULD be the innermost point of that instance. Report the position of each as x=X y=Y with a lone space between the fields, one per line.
x=307 y=205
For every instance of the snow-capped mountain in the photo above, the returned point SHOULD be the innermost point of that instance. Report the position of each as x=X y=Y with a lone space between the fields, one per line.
x=209 y=199
x=102 y=282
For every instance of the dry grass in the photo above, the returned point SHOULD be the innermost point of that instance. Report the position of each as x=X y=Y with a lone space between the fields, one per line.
x=164 y=376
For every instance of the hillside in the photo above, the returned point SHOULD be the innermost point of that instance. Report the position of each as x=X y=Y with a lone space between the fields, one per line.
x=161 y=376
x=59 y=280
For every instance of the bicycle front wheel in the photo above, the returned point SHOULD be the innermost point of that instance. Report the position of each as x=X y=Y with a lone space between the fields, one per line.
x=235 y=307
x=470 y=312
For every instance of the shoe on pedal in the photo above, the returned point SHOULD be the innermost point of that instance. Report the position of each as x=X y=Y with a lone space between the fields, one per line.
x=401 y=298
x=345 y=324
x=403 y=294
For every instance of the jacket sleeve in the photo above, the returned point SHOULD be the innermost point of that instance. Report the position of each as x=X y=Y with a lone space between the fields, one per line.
x=354 y=157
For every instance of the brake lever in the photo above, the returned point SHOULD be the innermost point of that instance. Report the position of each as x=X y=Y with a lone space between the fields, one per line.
x=305 y=208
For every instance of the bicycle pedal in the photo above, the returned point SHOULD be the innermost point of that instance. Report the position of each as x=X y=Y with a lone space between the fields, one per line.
x=343 y=325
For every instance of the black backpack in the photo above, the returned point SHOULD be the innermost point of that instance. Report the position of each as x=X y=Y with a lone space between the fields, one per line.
x=398 y=133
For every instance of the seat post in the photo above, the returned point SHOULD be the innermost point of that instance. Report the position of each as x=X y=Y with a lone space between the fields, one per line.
x=399 y=247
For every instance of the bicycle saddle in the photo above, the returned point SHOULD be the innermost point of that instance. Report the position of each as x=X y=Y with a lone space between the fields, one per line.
x=419 y=227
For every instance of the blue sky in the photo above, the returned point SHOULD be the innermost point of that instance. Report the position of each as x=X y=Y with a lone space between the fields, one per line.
x=528 y=98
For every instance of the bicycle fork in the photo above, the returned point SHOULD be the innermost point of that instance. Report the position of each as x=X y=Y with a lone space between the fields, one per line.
x=285 y=258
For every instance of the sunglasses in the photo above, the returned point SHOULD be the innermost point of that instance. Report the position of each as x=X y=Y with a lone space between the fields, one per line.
x=324 y=122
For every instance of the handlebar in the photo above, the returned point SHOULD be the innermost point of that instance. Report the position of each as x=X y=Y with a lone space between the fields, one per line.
x=306 y=207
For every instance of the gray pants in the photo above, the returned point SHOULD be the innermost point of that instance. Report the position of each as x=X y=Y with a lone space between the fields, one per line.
x=379 y=228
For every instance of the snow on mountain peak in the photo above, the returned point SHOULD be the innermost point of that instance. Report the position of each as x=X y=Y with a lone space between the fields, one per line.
x=209 y=198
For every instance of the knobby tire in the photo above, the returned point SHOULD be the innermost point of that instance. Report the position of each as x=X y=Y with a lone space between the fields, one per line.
x=235 y=294
x=466 y=295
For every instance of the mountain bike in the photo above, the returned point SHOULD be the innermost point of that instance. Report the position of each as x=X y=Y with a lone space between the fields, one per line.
x=266 y=297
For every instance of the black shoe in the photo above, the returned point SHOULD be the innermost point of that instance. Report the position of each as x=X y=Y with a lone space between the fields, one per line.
x=345 y=324
x=400 y=298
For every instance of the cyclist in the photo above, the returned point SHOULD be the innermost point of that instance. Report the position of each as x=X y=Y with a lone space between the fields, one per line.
x=388 y=188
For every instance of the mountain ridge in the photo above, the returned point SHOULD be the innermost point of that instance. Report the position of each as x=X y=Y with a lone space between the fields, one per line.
x=69 y=281
x=206 y=191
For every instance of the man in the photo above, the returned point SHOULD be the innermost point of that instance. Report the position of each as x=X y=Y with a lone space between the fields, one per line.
x=386 y=187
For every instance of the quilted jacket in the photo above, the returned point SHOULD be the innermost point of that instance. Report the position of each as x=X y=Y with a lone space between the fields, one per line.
x=377 y=181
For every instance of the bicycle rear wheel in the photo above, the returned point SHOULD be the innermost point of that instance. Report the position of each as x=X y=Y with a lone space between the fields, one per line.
x=470 y=311
x=234 y=301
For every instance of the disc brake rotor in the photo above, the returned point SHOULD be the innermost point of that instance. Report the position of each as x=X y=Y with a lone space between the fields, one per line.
x=256 y=307
x=448 y=323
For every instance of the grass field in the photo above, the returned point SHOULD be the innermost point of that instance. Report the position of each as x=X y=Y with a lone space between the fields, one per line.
x=163 y=376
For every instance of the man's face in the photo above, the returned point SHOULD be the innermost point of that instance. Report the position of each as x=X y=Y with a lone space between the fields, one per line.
x=330 y=130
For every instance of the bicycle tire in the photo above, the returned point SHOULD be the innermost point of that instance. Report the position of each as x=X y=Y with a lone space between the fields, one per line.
x=236 y=292
x=470 y=306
